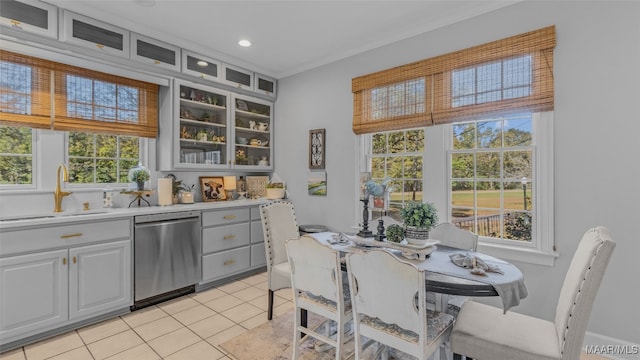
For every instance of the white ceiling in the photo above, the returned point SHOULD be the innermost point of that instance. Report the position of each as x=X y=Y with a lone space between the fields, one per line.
x=288 y=36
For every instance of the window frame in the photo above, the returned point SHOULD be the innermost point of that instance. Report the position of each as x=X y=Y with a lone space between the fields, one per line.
x=541 y=250
x=143 y=145
x=34 y=166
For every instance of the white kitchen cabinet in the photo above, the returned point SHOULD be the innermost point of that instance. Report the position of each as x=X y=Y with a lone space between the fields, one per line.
x=95 y=35
x=31 y=16
x=211 y=129
x=54 y=276
x=154 y=52
x=230 y=243
x=33 y=295
x=200 y=127
x=200 y=66
x=99 y=278
x=258 y=255
x=265 y=85
x=237 y=77
x=252 y=133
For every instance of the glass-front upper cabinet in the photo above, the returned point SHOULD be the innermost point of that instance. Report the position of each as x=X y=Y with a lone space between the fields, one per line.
x=252 y=135
x=202 y=127
x=30 y=16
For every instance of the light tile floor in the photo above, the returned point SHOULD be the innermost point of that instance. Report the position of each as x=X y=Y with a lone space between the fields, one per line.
x=190 y=327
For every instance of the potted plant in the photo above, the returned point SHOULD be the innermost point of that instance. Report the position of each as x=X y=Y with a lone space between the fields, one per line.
x=275 y=190
x=418 y=218
x=139 y=176
x=395 y=233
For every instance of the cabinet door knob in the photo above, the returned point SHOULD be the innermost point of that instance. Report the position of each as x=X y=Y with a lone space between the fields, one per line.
x=64 y=261
x=74 y=259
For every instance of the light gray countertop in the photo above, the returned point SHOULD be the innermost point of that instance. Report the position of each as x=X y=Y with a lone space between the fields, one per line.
x=50 y=218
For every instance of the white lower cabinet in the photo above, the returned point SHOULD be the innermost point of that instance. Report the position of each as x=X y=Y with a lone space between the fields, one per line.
x=61 y=281
x=34 y=292
x=231 y=242
x=99 y=278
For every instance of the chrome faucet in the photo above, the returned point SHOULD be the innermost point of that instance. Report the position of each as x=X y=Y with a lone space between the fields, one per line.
x=58 y=194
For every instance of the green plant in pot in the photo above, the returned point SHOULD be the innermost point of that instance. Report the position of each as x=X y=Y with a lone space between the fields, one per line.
x=139 y=177
x=395 y=233
x=418 y=219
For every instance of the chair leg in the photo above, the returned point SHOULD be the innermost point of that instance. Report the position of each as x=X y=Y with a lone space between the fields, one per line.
x=270 y=305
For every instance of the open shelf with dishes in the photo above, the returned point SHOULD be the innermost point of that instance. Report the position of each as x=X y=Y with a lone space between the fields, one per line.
x=253 y=122
x=213 y=129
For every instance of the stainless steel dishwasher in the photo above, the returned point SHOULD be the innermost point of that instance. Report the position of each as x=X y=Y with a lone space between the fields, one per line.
x=166 y=255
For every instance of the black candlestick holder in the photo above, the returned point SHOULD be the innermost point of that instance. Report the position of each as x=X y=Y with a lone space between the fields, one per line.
x=380 y=235
x=365 y=232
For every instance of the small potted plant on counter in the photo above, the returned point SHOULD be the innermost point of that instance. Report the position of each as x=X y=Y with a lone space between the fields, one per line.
x=139 y=176
x=275 y=190
x=418 y=218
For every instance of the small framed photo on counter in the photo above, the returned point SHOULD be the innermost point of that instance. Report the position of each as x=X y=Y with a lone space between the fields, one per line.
x=212 y=188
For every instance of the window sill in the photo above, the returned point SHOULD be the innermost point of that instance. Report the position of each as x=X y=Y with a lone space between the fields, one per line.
x=512 y=253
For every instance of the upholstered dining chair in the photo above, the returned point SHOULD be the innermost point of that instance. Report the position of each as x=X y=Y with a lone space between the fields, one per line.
x=278 y=225
x=454 y=237
x=389 y=305
x=318 y=287
x=483 y=332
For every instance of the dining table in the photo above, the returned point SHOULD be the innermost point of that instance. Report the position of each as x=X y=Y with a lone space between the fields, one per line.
x=443 y=276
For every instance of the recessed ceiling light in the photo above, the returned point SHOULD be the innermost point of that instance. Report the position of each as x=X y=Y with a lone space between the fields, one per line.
x=244 y=43
x=202 y=63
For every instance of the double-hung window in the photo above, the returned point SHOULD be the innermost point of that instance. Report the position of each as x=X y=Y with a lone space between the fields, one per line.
x=106 y=119
x=492 y=174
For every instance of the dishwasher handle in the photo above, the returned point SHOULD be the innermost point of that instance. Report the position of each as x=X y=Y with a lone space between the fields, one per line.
x=164 y=217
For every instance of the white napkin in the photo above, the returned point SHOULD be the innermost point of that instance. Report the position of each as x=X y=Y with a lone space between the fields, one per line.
x=472 y=262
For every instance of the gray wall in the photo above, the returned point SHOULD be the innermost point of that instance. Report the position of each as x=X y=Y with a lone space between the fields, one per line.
x=596 y=128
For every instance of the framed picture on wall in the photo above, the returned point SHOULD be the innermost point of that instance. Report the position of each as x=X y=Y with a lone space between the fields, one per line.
x=316 y=148
x=212 y=188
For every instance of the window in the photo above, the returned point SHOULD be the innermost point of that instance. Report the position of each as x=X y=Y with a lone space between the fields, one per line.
x=16 y=155
x=85 y=100
x=101 y=158
x=491 y=178
x=398 y=156
x=499 y=80
x=490 y=163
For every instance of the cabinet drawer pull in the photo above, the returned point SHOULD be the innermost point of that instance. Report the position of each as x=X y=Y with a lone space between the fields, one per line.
x=229 y=237
x=229 y=217
x=229 y=262
x=100 y=46
x=70 y=236
x=64 y=261
x=16 y=23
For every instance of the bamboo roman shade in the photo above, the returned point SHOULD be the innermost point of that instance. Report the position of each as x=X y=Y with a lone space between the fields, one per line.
x=62 y=97
x=509 y=75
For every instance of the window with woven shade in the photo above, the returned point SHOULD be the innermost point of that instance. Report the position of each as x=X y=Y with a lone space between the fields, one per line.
x=511 y=75
x=44 y=94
